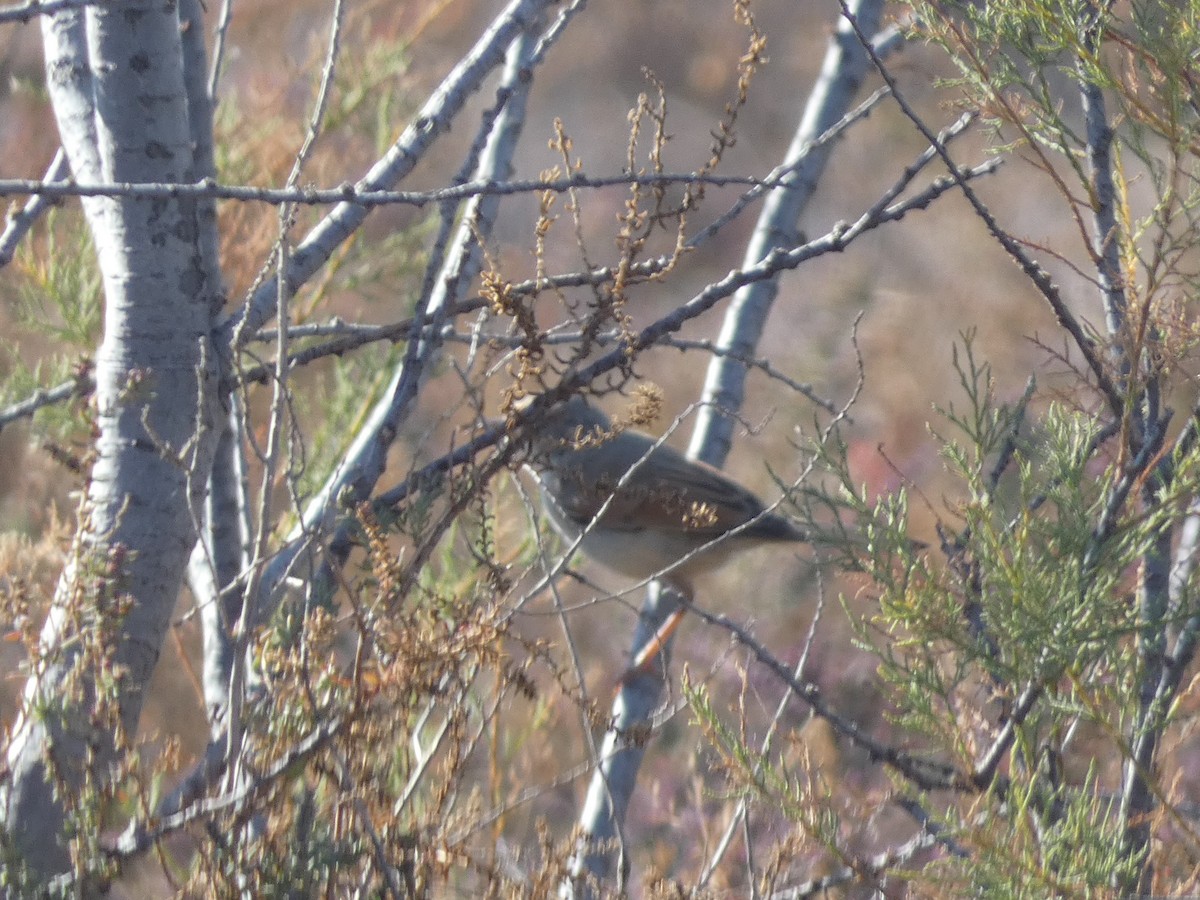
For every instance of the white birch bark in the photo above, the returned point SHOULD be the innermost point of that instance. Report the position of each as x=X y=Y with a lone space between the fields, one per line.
x=116 y=80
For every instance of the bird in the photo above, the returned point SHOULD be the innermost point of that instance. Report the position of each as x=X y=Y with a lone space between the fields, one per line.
x=640 y=507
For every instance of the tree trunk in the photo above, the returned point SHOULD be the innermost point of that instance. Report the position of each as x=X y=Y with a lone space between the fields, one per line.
x=116 y=80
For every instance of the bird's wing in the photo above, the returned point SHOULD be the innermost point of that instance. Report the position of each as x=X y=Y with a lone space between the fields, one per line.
x=665 y=492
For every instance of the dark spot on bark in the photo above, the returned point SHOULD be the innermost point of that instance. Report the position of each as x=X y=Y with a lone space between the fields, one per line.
x=158 y=208
x=139 y=62
x=185 y=230
x=191 y=281
x=157 y=150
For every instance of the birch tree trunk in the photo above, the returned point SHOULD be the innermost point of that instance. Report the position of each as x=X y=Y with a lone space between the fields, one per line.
x=117 y=83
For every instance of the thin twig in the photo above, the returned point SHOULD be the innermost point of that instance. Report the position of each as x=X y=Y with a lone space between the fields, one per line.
x=926 y=774
x=367 y=196
x=21 y=221
x=78 y=386
x=25 y=12
x=1038 y=276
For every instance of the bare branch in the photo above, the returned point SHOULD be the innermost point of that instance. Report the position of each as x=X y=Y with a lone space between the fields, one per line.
x=79 y=386
x=25 y=12
x=366 y=196
x=20 y=222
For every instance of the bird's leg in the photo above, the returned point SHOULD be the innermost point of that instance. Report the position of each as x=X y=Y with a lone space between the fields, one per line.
x=647 y=656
